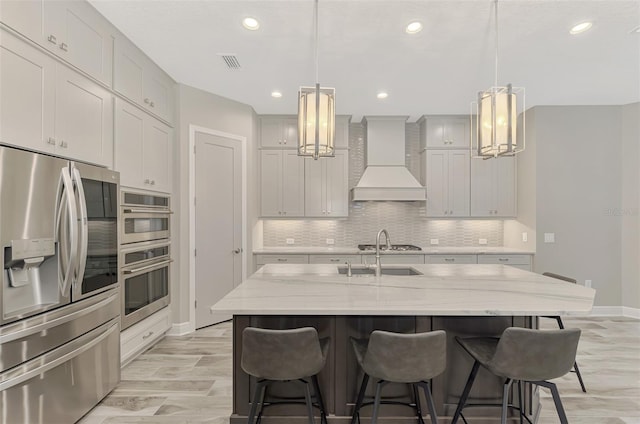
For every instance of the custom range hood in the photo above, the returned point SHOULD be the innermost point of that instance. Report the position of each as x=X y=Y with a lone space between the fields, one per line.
x=385 y=177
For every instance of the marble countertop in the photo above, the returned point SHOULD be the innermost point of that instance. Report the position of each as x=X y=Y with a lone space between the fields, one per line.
x=446 y=290
x=439 y=250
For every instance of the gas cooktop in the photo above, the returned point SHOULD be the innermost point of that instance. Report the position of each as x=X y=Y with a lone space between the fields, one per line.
x=394 y=247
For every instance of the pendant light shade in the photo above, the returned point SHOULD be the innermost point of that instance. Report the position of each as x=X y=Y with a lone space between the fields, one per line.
x=496 y=116
x=316 y=115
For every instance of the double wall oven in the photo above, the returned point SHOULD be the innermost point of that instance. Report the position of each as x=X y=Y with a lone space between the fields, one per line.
x=145 y=255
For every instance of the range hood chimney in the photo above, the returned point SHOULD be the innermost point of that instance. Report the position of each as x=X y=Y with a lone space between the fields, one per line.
x=385 y=176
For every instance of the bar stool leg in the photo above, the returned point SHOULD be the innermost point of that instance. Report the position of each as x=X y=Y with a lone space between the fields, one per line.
x=376 y=403
x=577 y=370
x=556 y=399
x=465 y=392
x=520 y=397
x=316 y=388
x=356 y=409
x=426 y=387
x=260 y=386
x=307 y=395
x=416 y=397
x=505 y=399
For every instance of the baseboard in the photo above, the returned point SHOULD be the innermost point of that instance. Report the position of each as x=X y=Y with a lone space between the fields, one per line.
x=180 y=329
x=615 y=311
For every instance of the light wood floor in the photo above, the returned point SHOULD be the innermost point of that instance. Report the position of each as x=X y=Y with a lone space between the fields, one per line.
x=187 y=380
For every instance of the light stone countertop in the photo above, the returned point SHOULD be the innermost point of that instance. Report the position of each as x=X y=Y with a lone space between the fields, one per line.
x=445 y=290
x=439 y=250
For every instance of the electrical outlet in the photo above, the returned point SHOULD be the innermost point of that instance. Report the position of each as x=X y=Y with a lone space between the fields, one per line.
x=435 y=242
x=587 y=283
x=331 y=241
x=290 y=241
x=482 y=241
x=525 y=237
x=549 y=237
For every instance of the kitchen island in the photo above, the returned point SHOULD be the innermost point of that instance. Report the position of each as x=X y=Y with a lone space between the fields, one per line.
x=466 y=300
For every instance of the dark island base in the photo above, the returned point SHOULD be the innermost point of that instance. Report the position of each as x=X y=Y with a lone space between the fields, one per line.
x=341 y=377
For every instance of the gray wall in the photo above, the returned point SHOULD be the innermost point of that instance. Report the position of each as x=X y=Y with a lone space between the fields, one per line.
x=630 y=207
x=208 y=110
x=570 y=180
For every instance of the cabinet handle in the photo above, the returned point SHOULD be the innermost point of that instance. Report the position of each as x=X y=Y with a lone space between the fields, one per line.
x=146 y=181
x=450 y=212
x=449 y=259
x=284 y=141
x=334 y=260
x=152 y=104
x=147 y=101
x=146 y=336
x=284 y=213
x=63 y=144
x=153 y=182
x=282 y=260
x=52 y=39
x=503 y=259
x=51 y=140
x=64 y=47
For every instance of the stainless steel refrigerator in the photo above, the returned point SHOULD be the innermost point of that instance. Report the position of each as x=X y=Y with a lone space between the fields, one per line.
x=59 y=302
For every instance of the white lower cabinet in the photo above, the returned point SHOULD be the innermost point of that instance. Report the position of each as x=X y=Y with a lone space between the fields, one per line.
x=518 y=261
x=135 y=339
x=450 y=259
x=142 y=150
x=334 y=259
x=393 y=259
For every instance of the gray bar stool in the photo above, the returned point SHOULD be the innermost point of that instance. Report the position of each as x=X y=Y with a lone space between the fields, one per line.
x=522 y=355
x=284 y=355
x=561 y=324
x=401 y=358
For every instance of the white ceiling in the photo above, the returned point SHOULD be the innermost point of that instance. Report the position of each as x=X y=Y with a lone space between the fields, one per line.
x=364 y=49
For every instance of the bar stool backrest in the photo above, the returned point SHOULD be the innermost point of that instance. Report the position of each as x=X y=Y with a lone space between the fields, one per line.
x=281 y=354
x=535 y=355
x=405 y=358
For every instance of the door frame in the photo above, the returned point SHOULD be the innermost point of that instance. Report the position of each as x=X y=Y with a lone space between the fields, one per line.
x=193 y=129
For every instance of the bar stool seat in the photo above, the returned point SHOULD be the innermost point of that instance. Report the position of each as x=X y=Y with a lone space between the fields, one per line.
x=400 y=358
x=284 y=355
x=522 y=355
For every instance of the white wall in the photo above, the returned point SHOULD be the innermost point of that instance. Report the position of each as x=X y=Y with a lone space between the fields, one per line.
x=630 y=207
x=208 y=110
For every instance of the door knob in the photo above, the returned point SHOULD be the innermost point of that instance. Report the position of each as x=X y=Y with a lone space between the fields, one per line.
x=237 y=251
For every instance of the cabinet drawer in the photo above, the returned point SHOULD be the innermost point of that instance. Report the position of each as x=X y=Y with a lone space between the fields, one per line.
x=450 y=259
x=334 y=259
x=282 y=259
x=140 y=336
x=394 y=259
x=505 y=259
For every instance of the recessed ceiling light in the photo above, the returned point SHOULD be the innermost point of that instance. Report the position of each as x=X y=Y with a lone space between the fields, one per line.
x=414 y=27
x=251 y=23
x=382 y=95
x=276 y=94
x=581 y=27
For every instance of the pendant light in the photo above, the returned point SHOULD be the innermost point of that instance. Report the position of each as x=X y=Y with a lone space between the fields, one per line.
x=316 y=114
x=497 y=110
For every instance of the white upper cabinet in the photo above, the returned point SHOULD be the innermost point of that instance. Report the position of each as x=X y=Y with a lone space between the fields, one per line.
x=27 y=82
x=327 y=186
x=280 y=132
x=50 y=108
x=341 y=140
x=446 y=178
x=72 y=30
x=140 y=80
x=84 y=119
x=282 y=184
x=493 y=187
x=142 y=151
x=450 y=132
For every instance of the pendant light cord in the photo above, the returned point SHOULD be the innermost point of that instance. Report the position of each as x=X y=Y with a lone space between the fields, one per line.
x=496 y=23
x=316 y=37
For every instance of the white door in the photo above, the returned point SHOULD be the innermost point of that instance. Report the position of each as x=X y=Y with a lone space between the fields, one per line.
x=218 y=224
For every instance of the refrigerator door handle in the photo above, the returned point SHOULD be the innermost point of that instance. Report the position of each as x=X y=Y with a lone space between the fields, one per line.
x=68 y=248
x=78 y=346
x=84 y=228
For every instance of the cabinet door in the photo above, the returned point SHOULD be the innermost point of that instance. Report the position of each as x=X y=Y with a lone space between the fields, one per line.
x=158 y=90
x=435 y=132
x=27 y=84
x=270 y=132
x=482 y=187
x=290 y=133
x=83 y=37
x=341 y=140
x=271 y=183
x=128 y=78
x=337 y=184
x=292 y=184
x=457 y=133
x=458 y=183
x=84 y=119
x=315 y=193
x=24 y=16
x=129 y=136
x=450 y=259
x=436 y=173
x=505 y=187
x=155 y=160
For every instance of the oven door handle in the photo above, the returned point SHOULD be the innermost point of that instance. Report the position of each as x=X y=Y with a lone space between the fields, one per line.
x=155 y=211
x=144 y=268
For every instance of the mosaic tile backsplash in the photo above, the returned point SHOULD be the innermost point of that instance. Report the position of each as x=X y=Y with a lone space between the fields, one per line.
x=405 y=221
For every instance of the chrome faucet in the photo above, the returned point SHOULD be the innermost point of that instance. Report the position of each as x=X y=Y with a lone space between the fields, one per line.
x=386 y=235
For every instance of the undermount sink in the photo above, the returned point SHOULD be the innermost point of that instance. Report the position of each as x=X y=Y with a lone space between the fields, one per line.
x=385 y=271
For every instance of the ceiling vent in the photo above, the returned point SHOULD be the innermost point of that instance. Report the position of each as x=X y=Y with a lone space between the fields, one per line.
x=231 y=60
